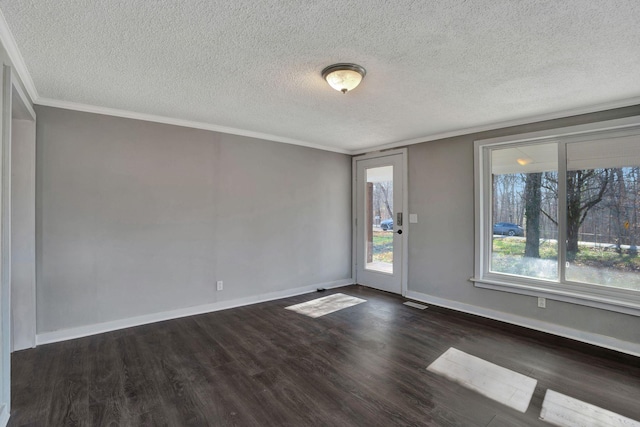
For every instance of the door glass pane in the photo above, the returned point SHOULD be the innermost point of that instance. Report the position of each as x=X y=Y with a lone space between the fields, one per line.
x=525 y=211
x=379 y=219
x=603 y=212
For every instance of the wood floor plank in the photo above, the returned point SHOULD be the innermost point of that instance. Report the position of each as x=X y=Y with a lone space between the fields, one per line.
x=70 y=393
x=263 y=365
x=33 y=374
x=106 y=385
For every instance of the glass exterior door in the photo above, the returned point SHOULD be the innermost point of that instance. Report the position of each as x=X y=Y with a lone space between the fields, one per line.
x=379 y=222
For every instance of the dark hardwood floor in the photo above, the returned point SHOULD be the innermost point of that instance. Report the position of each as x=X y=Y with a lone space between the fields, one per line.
x=262 y=365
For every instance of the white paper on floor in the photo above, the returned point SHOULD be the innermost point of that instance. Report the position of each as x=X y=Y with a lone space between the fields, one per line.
x=325 y=305
x=561 y=410
x=415 y=305
x=500 y=384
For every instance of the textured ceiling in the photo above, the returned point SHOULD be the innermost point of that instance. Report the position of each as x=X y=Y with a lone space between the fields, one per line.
x=432 y=66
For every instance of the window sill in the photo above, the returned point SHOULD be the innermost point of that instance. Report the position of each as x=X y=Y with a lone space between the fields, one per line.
x=605 y=299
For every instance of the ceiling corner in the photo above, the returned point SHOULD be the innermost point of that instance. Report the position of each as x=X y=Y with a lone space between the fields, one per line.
x=9 y=43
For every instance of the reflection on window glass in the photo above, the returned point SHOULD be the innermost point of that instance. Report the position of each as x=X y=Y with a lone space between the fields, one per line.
x=585 y=184
x=603 y=210
x=379 y=213
x=525 y=211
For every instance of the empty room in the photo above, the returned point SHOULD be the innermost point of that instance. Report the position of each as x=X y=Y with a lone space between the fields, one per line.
x=320 y=213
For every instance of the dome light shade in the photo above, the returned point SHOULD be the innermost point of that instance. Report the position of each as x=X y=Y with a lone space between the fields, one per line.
x=344 y=77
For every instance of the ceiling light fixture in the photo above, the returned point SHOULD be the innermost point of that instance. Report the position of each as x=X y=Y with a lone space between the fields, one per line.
x=343 y=77
x=523 y=162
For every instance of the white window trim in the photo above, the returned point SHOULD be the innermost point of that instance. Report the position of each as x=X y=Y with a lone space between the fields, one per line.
x=614 y=299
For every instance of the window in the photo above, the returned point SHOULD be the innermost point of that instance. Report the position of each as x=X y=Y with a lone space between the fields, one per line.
x=558 y=214
x=525 y=197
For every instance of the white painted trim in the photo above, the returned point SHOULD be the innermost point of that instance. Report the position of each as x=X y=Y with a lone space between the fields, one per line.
x=405 y=220
x=4 y=416
x=561 y=214
x=67 y=105
x=505 y=124
x=537 y=325
x=10 y=45
x=27 y=104
x=354 y=219
x=600 y=300
x=608 y=298
x=99 y=328
x=5 y=239
x=479 y=209
x=23 y=97
x=378 y=154
x=564 y=131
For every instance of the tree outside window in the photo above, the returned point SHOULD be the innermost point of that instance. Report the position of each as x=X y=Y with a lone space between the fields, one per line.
x=602 y=206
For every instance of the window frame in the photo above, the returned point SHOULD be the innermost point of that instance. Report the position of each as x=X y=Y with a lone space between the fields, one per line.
x=604 y=297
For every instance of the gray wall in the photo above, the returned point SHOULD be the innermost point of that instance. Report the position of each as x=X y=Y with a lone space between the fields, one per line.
x=441 y=245
x=135 y=218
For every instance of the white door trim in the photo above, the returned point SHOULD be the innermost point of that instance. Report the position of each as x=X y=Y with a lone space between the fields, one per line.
x=405 y=210
x=23 y=243
x=5 y=242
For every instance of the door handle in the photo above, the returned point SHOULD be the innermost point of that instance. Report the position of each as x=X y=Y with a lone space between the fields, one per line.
x=399 y=231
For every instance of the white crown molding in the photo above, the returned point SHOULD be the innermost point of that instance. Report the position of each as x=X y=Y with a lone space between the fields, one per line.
x=16 y=58
x=241 y=132
x=67 y=105
x=509 y=123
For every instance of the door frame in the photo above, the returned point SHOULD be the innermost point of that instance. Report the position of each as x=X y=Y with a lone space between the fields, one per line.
x=23 y=117
x=10 y=93
x=5 y=245
x=405 y=211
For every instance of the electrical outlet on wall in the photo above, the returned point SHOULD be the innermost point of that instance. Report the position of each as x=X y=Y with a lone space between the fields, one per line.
x=219 y=285
x=542 y=302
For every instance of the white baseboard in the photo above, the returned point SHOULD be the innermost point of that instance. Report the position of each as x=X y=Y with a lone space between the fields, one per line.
x=83 y=331
x=4 y=416
x=550 y=328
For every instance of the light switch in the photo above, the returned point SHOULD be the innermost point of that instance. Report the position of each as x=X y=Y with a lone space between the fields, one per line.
x=413 y=218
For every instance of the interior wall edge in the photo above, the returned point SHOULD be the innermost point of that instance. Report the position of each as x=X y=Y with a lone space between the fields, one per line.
x=610 y=343
x=99 y=328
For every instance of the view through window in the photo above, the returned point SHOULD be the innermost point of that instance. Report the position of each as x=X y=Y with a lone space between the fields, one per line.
x=379 y=202
x=525 y=211
x=599 y=183
x=603 y=209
